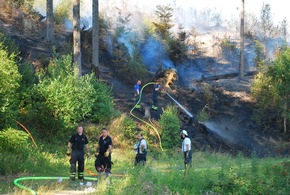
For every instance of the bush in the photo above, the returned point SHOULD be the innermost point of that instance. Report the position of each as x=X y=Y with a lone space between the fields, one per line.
x=9 y=82
x=135 y=70
x=8 y=45
x=13 y=140
x=170 y=124
x=227 y=46
x=71 y=99
x=271 y=89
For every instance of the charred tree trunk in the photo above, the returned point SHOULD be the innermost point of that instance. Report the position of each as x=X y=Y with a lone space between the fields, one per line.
x=95 y=37
x=286 y=107
x=242 y=64
x=77 y=36
x=223 y=76
x=49 y=21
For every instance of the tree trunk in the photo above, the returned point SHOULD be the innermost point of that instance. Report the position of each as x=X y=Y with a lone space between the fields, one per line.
x=265 y=47
x=242 y=64
x=286 y=112
x=223 y=76
x=49 y=21
x=95 y=37
x=77 y=36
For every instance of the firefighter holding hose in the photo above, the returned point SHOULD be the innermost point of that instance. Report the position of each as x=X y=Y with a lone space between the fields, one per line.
x=75 y=149
x=155 y=94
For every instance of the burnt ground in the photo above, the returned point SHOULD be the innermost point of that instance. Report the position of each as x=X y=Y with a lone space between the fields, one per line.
x=229 y=128
x=228 y=102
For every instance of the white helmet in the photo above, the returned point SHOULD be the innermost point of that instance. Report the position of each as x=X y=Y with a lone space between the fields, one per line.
x=184 y=132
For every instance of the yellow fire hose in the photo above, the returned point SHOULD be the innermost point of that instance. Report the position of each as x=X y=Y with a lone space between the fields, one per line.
x=150 y=125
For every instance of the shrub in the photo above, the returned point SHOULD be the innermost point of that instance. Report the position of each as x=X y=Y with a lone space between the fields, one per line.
x=227 y=46
x=12 y=140
x=202 y=116
x=9 y=82
x=259 y=58
x=271 y=89
x=170 y=124
x=135 y=70
x=8 y=45
x=123 y=130
x=72 y=99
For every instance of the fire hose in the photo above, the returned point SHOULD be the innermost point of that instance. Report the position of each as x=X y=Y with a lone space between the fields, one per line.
x=15 y=182
x=150 y=125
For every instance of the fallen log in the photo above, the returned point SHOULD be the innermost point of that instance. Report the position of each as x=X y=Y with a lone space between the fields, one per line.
x=223 y=76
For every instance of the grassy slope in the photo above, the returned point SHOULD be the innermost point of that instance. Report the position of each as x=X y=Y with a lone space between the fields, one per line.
x=164 y=174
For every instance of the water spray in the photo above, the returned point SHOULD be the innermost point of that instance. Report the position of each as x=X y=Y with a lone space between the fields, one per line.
x=180 y=106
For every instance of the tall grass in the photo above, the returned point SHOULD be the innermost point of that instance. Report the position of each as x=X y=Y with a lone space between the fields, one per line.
x=212 y=173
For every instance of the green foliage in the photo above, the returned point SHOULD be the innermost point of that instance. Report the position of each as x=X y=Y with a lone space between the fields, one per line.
x=259 y=58
x=103 y=107
x=202 y=116
x=9 y=84
x=170 y=124
x=61 y=12
x=262 y=90
x=208 y=94
x=227 y=46
x=176 y=49
x=73 y=99
x=135 y=70
x=8 y=45
x=62 y=99
x=12 y=140
x=33 y=161
x=280 y=77
x=164 y=15
x=129 y=127
x=271 y=89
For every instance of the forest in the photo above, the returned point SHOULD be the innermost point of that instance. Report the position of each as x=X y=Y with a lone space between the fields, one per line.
x=224 y=81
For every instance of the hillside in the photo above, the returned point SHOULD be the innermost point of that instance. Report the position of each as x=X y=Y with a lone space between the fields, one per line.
x=230 y=127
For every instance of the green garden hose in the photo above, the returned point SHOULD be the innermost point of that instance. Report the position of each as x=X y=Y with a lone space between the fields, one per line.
x=150 y=125
x=15 y=182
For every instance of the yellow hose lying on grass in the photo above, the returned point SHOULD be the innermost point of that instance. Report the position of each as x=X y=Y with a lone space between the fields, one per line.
x=150 y=125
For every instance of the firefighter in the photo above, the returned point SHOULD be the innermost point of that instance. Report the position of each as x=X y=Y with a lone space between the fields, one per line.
x=156 y=90
x=75 y=149
x=141 y=150
x=103 y=161
x=137 y=93
x=186 y=148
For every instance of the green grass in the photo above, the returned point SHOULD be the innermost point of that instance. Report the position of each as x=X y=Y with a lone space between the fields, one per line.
x=164 y=174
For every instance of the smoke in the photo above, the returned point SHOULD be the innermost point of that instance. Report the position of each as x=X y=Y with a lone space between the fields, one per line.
x=208 y=17
x=154 y=55
x=127 y=39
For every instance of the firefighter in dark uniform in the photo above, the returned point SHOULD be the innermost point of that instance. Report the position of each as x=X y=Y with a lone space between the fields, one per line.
x=156 y=91
x=76 y=144
x=103 y=161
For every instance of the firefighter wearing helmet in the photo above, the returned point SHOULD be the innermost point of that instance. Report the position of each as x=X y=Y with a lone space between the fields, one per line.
x=186 y=148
